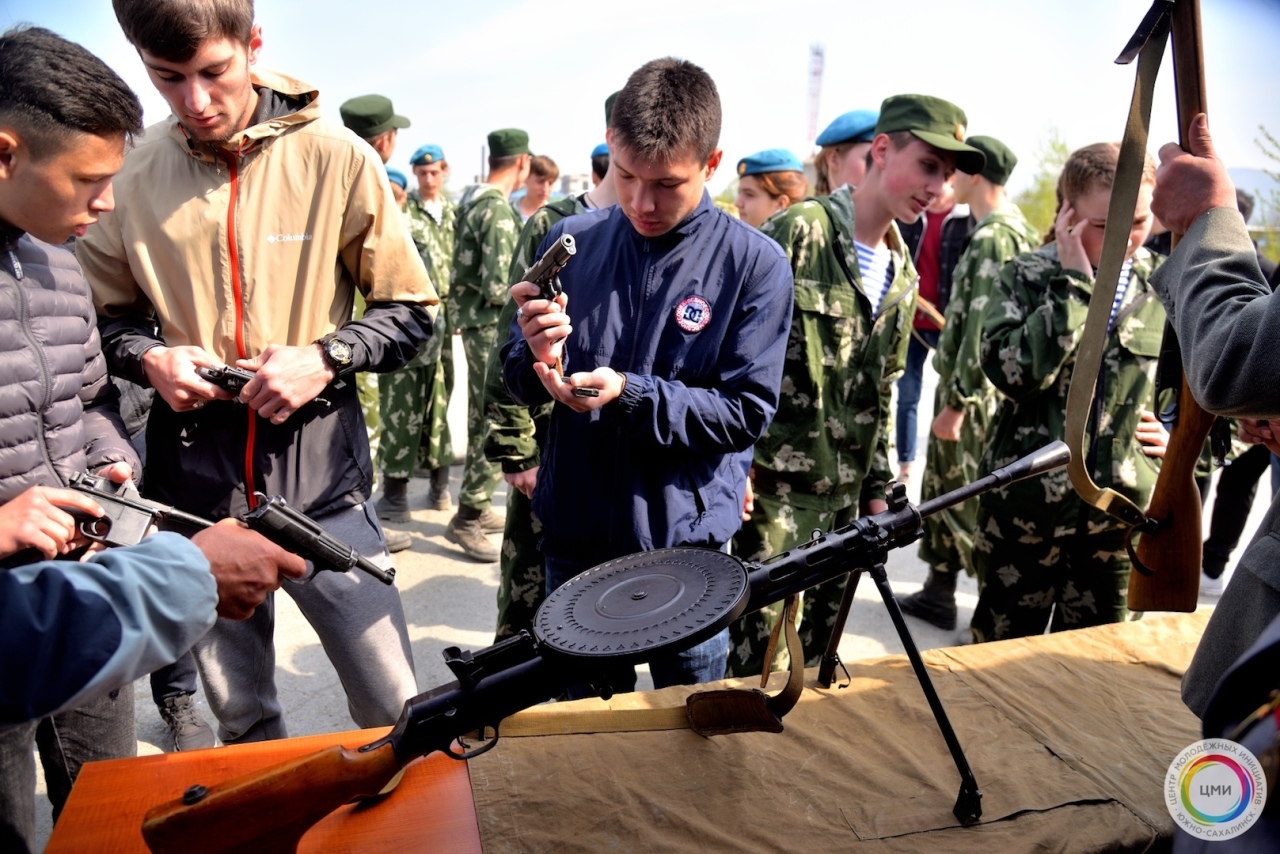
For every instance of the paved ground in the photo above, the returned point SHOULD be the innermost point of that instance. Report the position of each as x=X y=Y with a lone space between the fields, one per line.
x=450 y=600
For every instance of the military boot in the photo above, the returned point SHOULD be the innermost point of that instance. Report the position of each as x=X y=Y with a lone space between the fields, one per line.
x=464 y=529
x=936 y=603
x=393 y=506
x=438 y=496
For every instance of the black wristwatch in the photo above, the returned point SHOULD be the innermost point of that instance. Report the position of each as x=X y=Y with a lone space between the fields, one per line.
x=337 y=352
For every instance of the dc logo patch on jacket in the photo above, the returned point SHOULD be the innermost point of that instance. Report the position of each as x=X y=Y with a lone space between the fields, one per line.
x=693 y=314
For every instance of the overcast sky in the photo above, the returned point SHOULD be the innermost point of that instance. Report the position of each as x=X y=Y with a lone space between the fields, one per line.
x=1019 y=68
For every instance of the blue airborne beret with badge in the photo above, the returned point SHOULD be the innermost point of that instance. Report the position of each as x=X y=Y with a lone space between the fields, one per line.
x=770 y=160
x=398 y=177
x=601 y=149
x=853 y=126
x=426 y=154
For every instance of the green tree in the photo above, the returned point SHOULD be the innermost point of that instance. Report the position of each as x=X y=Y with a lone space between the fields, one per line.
x=1266 y=218
x=1039 y=202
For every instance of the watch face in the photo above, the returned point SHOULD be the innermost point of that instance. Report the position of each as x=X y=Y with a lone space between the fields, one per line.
x=339 y=351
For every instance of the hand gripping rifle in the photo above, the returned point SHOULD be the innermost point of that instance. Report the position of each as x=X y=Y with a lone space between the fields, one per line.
x=624 y=611
x=128 y=517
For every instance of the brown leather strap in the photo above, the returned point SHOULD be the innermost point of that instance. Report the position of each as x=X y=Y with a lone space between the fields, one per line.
x=730 y=710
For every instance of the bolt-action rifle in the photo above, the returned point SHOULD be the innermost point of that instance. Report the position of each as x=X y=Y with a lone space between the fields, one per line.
x=270 y=810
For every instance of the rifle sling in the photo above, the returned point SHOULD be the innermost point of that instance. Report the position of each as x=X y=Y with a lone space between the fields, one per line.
x=731 y=710
x=1124 y=197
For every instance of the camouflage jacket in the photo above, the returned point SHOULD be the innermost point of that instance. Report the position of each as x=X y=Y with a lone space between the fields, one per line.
x=515 y=431
x=485 y=238
x=434 y=241
x=1000 y=236
x=1032 y=333
x=827 y=447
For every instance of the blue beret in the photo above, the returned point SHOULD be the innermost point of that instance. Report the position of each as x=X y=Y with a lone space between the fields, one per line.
x=426 y=154
x=602 y=148
x=770 y=160
x=397 y=177
x=854 y=126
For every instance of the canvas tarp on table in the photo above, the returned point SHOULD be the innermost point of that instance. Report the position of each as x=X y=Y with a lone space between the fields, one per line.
x=1069 y=736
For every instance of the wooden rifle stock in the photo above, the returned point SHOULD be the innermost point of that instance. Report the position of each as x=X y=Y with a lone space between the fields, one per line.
x=269 y=811
x=1173 y=550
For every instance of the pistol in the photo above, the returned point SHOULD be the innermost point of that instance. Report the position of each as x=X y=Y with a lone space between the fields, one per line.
x=232 y=379
x=127 y=517
x=545 y=273
x=294 y=531
x=226 y=377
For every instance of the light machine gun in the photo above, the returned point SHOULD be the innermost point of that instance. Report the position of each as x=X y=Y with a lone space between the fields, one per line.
x=624 y=611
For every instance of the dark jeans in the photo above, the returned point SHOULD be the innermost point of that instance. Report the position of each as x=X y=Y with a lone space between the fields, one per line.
x=174 y=679
x=99 y=729
x=909 y=392
x=1237 y=486
x=705 y=662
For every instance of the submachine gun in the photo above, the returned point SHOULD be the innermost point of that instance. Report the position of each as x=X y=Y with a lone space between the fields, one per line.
x=624 y=611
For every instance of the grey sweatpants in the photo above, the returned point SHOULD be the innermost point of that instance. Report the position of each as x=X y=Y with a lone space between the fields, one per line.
x=361 y=625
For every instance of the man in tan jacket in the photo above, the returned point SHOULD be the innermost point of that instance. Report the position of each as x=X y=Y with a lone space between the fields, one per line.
x=245 y=224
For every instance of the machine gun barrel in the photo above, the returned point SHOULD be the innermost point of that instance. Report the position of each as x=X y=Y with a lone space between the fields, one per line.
x=832 y=554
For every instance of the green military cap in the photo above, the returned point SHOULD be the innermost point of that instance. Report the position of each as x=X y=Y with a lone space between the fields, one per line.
x=1000 y=160
x=608 y=106
x=508 y=141
x=939 y=123
x=369 y=115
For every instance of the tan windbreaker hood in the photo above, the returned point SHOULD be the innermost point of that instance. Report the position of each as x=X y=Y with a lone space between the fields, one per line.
x=281 y=268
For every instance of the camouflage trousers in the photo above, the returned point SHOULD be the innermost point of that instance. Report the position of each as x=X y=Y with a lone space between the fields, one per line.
x=1068 y=581
x=522 y=571
x=408 y=401
x=436 y=448
x=479 y=476
x=776 y=526
x=947 y=545
x=367 y=393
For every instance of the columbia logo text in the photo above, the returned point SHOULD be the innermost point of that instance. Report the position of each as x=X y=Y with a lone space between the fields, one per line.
x=287 y=238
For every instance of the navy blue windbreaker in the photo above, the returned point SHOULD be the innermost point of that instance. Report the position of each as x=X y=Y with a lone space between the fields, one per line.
x=697 y=321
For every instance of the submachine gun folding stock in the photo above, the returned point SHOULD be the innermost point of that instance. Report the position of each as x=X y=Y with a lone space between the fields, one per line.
x=127 y=517
x=624 y=611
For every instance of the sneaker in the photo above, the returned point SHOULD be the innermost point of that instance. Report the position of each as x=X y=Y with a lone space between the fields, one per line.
x=492 y=523
x=1212 y=587
x=468 y=534
x=397 y=541
x=188 y=729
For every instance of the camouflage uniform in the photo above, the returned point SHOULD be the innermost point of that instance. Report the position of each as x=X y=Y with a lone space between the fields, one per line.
x=414 y=399
x=485 y=240
x=1037 y=544
x=515 y=435
x=947 y=545
x=825 y=454
x=367 y=393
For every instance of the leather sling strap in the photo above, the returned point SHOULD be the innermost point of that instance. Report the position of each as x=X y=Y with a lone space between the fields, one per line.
x=729 y=710
x=1124 y=198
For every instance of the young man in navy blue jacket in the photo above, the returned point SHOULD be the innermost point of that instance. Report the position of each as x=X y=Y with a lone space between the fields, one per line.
x=679 y=322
